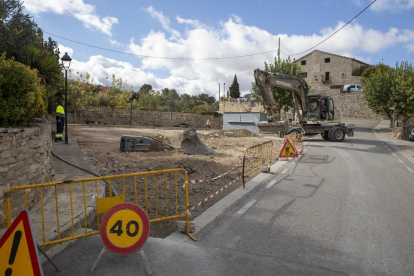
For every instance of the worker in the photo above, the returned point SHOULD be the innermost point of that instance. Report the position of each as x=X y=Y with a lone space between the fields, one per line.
x=60 y=121
x=208 y=124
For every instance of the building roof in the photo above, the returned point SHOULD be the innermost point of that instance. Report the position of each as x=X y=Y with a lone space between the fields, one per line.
x=332 y=55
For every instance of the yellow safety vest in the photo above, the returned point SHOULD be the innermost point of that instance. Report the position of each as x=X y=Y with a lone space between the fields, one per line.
x=60 y=111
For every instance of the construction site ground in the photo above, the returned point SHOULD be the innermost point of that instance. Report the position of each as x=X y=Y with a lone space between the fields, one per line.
x=101 y=146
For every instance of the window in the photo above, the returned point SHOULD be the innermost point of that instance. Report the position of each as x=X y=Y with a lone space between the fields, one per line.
x=327 y=76
x=303 y=62
x=305 y=74
x=327 y=60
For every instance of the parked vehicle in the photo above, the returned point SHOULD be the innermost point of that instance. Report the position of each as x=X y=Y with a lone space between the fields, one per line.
x=352 y=88
x=412 y=135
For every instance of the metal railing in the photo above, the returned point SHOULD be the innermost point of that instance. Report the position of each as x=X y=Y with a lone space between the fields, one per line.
x=256 y=156
x=151 y=190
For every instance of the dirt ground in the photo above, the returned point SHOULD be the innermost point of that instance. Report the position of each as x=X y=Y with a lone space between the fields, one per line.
x=101 y=145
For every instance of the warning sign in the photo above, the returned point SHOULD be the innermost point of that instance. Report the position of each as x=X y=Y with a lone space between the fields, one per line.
x=18 y=249
x=288 y=150
x=125 y=228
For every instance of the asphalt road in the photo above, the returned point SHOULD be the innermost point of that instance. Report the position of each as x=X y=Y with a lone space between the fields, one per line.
x=341 y=209
x=345 y=208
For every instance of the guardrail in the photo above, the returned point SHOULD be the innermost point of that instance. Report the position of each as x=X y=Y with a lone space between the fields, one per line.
x=151 y=190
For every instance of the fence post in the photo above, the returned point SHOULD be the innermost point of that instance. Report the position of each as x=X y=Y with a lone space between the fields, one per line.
x=8 y=211
x=187 y=210
x=244 y=158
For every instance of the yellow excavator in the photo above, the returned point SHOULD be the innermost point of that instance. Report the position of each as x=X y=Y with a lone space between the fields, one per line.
x=312 y=115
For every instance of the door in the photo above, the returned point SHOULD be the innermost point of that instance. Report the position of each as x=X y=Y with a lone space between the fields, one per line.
x=313 y=110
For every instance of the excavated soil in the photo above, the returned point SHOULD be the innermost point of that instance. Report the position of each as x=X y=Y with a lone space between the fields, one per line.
x=101 y=145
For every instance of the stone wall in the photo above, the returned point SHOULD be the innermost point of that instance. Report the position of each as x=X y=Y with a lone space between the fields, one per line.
x=109 y=116
x=240 y=106
x=25 y=158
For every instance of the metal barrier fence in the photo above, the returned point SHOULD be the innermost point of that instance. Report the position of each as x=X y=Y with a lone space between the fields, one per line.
x=296 y=140
x=150 y=190
x=256 y=156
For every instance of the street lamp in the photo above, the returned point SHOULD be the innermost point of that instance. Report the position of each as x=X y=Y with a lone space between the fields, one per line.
x=224 y=89
x=66 y=64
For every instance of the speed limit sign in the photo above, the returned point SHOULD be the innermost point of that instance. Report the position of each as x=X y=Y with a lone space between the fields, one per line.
x=125 y=228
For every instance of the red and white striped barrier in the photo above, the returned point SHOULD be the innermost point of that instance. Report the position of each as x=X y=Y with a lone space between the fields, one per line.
x=211 y=196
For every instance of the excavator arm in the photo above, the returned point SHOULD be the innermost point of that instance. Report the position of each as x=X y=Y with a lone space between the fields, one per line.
x=265 y=81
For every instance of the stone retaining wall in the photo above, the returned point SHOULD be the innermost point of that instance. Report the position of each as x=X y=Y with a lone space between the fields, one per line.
x=109 y=116
x=25 y=158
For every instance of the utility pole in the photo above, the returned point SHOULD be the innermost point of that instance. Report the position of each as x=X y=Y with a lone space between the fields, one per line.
x=278 y=51
x=219 y=93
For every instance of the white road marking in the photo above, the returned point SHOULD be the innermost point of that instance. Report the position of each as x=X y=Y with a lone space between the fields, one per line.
x=284 y=171
x=401 y=161
x=409 y=169
x=271 y=184
x=394 y=154
x=388 y=149
x=245 y=207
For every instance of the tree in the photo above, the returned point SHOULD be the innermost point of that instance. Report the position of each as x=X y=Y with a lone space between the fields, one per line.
x=21 y=94
x=235 y=88
x=283 y=97
x=387 y=88
x=17 y=30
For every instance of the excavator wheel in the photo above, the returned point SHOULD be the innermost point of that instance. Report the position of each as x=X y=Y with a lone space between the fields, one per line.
x=292 y=130
x=325 y=135
x=337 y=134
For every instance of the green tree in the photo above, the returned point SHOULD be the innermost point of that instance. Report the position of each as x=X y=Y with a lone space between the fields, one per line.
x=21 y=94
x=387 y=88
x=283 y=97
x=235 y=88
x=17 y=30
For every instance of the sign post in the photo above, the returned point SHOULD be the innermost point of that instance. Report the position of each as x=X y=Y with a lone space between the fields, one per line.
x=124 y=230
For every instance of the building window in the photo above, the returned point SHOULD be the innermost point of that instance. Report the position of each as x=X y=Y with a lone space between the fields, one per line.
x=305 y=74
x=327 y=60
x=303 y=62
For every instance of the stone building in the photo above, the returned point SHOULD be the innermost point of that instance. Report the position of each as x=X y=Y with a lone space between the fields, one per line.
x=328 y=73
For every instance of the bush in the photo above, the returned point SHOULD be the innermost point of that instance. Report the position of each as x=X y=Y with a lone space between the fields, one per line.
x=21 y=94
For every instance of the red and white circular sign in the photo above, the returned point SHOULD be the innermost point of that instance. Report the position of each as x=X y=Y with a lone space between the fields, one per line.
x=125 y=228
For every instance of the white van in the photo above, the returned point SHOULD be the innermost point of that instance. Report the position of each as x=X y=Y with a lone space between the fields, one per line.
x=352 y=88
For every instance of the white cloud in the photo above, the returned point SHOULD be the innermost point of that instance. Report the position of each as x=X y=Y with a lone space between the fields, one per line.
x=63 y=49
x=232 y=38
x=392 y=5
x=78 y=9
x=165 y=21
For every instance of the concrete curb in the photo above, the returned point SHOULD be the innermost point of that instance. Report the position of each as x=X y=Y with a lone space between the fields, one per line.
x=205 y=222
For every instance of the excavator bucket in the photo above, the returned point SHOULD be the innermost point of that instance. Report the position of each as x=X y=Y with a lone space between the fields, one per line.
x=191 y=144
x=145 y=144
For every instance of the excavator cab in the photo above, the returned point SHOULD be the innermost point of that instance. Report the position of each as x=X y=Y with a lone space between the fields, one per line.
x=320 y=108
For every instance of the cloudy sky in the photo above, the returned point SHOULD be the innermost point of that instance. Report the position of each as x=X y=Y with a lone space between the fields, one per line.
x=193 y=46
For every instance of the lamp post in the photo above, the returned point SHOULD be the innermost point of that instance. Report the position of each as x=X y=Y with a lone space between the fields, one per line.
x=66 y=64
x=224 y=89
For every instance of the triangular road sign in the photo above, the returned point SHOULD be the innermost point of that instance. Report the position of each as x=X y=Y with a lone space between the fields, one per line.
x=288 y=150
x=18 y=249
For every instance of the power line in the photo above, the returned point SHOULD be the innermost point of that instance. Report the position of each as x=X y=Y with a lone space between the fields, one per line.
x=333 y=33
x=209 y=58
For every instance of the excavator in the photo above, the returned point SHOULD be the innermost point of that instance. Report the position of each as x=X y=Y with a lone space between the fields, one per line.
x=312 y=115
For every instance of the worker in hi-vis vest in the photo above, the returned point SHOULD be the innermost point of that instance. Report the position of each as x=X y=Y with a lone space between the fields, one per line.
x=60 y=121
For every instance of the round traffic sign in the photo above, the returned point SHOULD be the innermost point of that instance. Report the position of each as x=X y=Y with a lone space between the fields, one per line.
x=125 y=228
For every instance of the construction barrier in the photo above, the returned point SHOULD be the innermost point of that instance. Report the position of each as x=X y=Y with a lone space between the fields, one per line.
x=151 y=190
x=296 y=140
x=256 y=156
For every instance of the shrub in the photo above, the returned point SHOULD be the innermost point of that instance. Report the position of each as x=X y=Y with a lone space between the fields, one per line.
x=21 y=94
